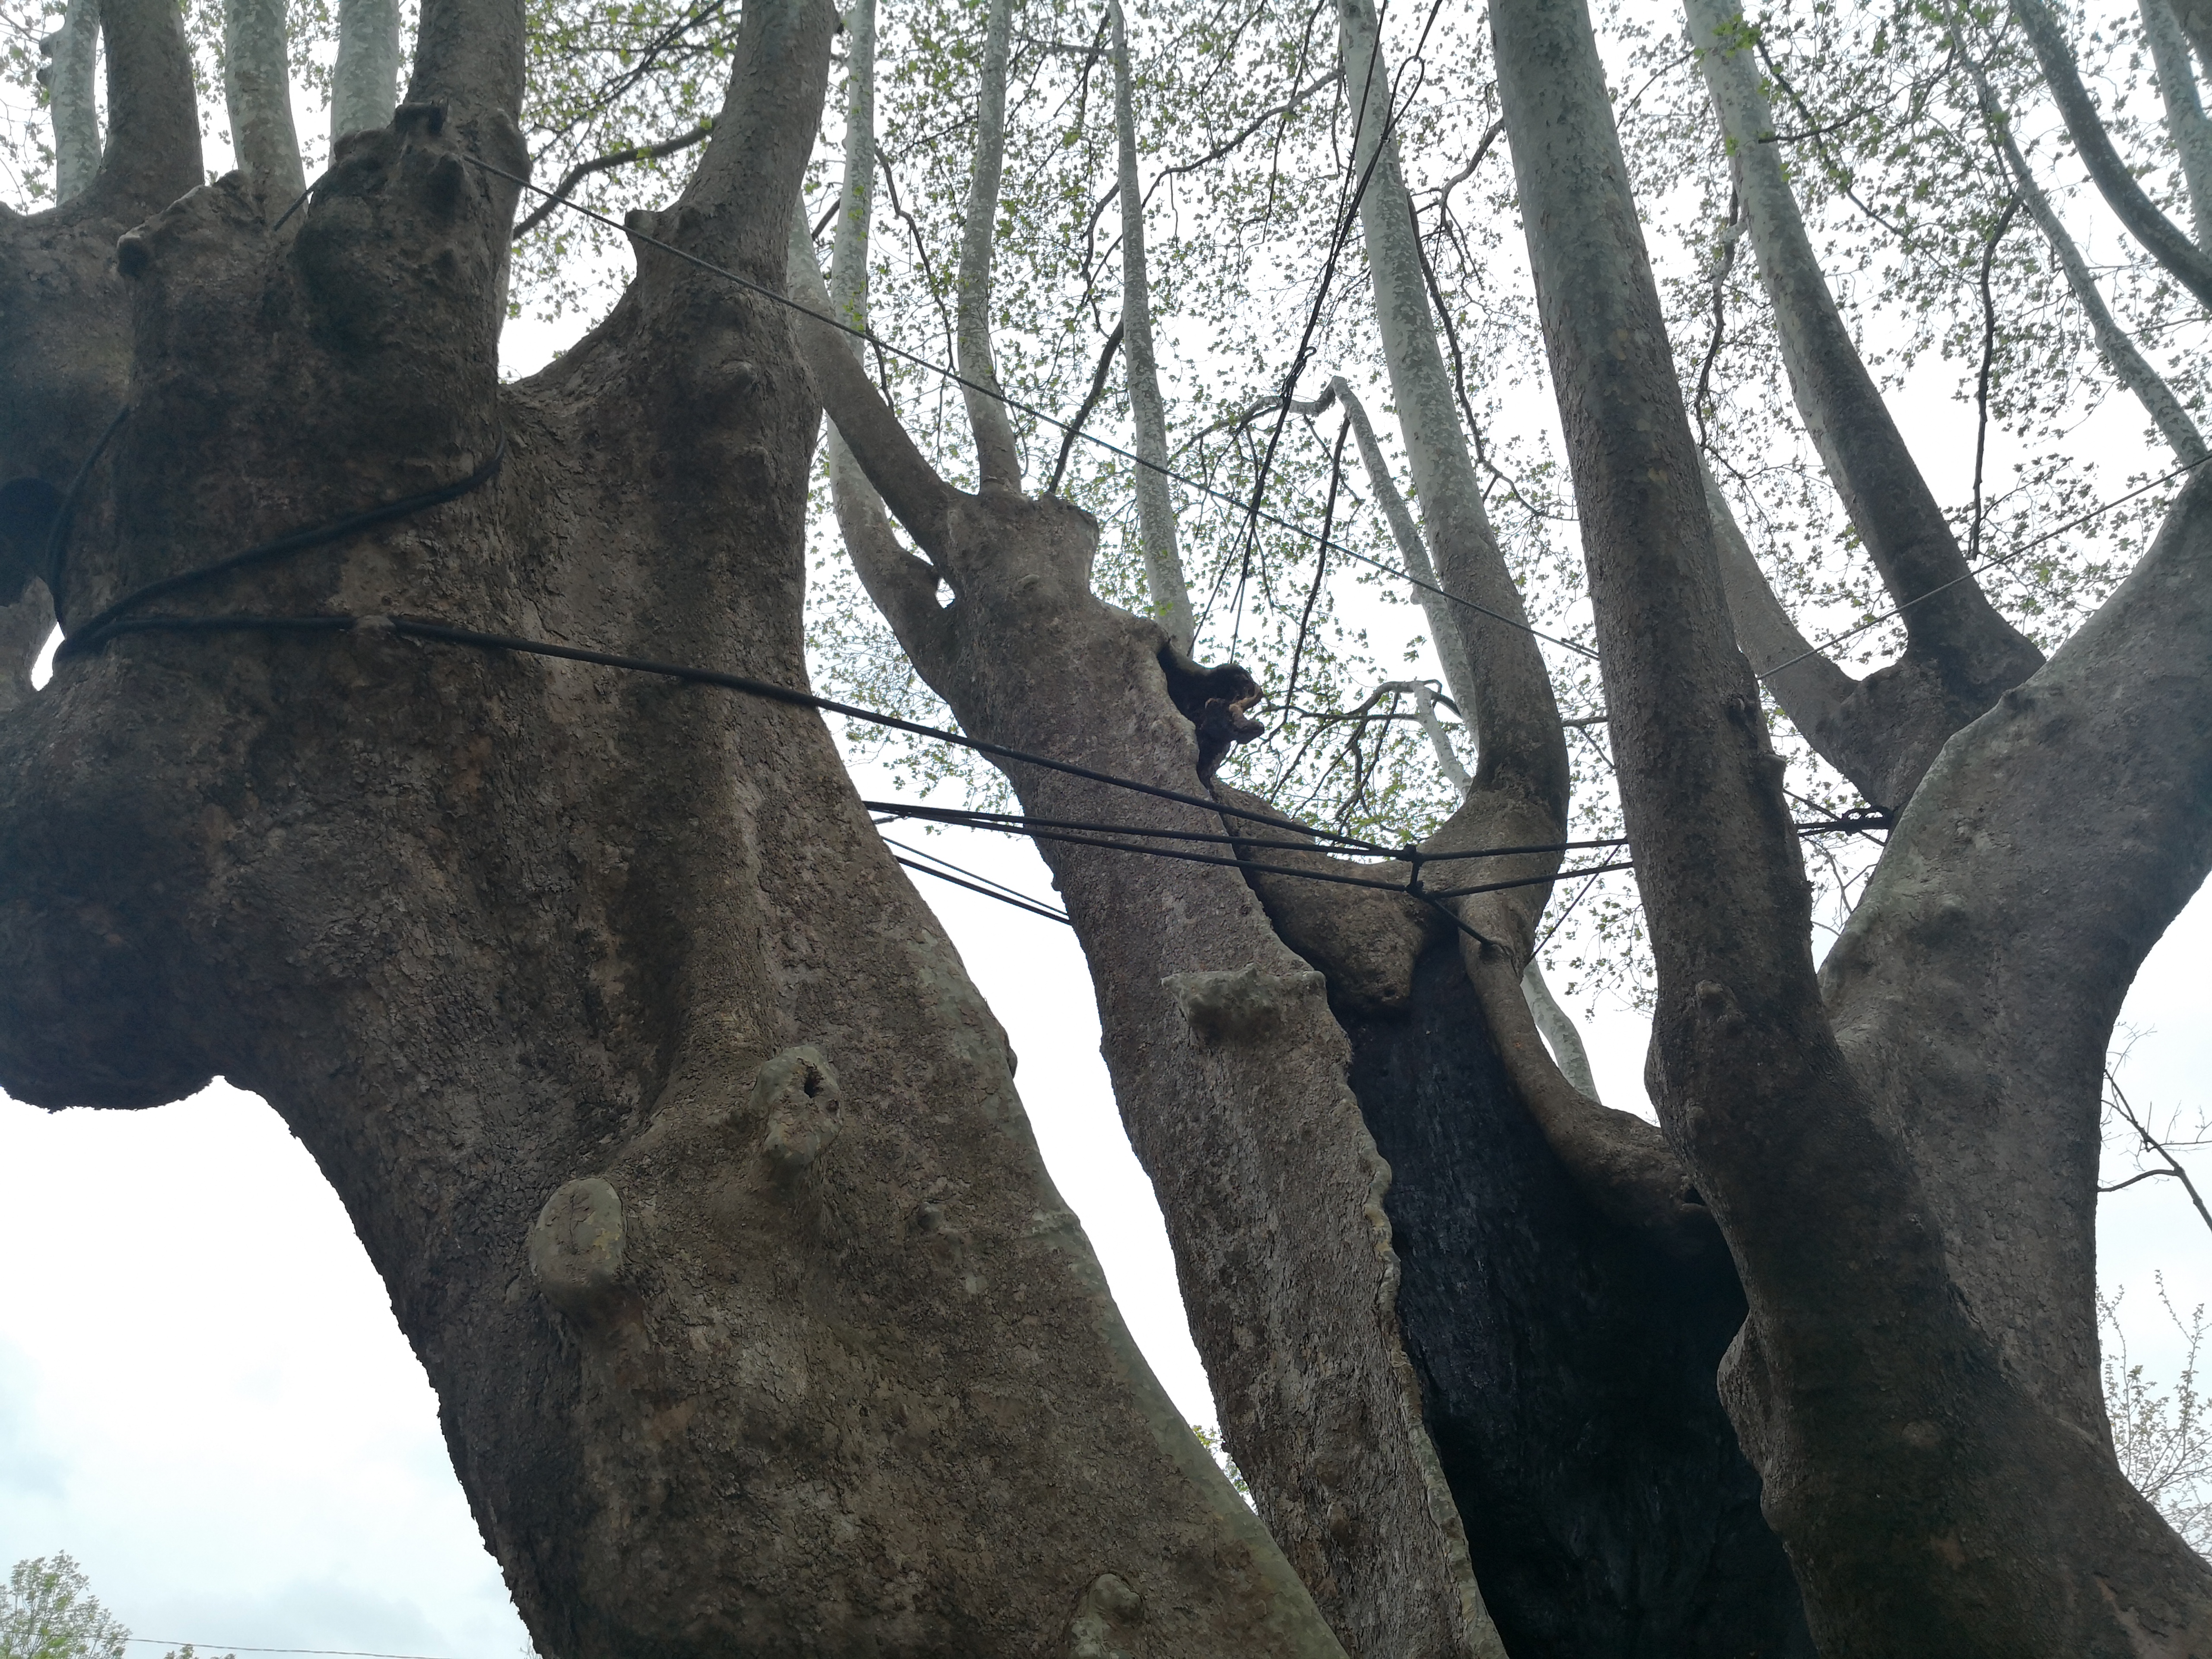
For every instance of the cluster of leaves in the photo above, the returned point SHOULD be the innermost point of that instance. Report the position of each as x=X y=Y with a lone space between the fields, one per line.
x=49 y=1613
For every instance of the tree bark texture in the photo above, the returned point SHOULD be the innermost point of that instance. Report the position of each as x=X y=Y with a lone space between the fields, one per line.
x=72 y=63
x=365 y=80
x=257 y=84
x=2185 y=111
x=1960 y=655
x=1902 y=1153
x=691 y=1160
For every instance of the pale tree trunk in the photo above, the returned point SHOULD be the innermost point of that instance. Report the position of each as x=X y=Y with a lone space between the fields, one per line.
x=1156 y=515
x=690 y=1159
x=2185 y=111
x=1521 y=767
x=256 y=85
x=72 y=56
x=1394 y=1434
x=1960 y=655
x=1902 y=1151
x=998 y=454
x=2128 y=365
x=364 y=81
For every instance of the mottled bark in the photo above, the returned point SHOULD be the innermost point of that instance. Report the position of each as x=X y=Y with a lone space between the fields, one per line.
x=1905 y=1171
x=1156 y=517
x=72 y=54
x=64 y=333
x=1960 y=655
x=690 y=1159
x=256 y=85
x=365 y=79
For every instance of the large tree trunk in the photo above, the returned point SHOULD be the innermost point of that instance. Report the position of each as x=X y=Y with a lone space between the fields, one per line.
x=691 y=1160
x=1902 y=1152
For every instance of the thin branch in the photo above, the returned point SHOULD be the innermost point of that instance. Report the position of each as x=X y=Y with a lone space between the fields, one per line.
x=613 y=158
x=1989 y=362
x=1083 y=411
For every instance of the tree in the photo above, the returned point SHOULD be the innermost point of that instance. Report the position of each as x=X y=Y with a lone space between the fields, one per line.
x=693 y=1164
x=49 y=1615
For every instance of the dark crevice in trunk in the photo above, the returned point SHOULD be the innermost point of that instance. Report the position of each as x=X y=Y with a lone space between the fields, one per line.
x=1567 y=1369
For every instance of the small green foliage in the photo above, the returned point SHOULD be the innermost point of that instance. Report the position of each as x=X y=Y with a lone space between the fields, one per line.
x=49 y=1613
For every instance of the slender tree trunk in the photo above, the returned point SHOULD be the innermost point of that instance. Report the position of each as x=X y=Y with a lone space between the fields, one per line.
x=998 y=454
x=1508 y=702
x=364 y=81
x=1156 y=516
x=257 y=83
x=72 y=54
x=1446 y=626
x=1916 y=1378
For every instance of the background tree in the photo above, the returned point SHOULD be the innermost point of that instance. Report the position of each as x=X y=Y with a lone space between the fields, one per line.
x=51 y=1613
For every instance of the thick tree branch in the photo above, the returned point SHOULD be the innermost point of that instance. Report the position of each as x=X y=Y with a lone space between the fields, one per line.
x=256 y=85
x=1507 y=698
x=1156 y=515
x=738 y=198
x=922 y=500
x=365 y=79
x=152 y=154
x=1618 y=1161
x=469 y=56
x=2185 y=111
x=1882 y=488
x=2129 y=366
x=72 y=60
x=2189 y=264
x=998 y=456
